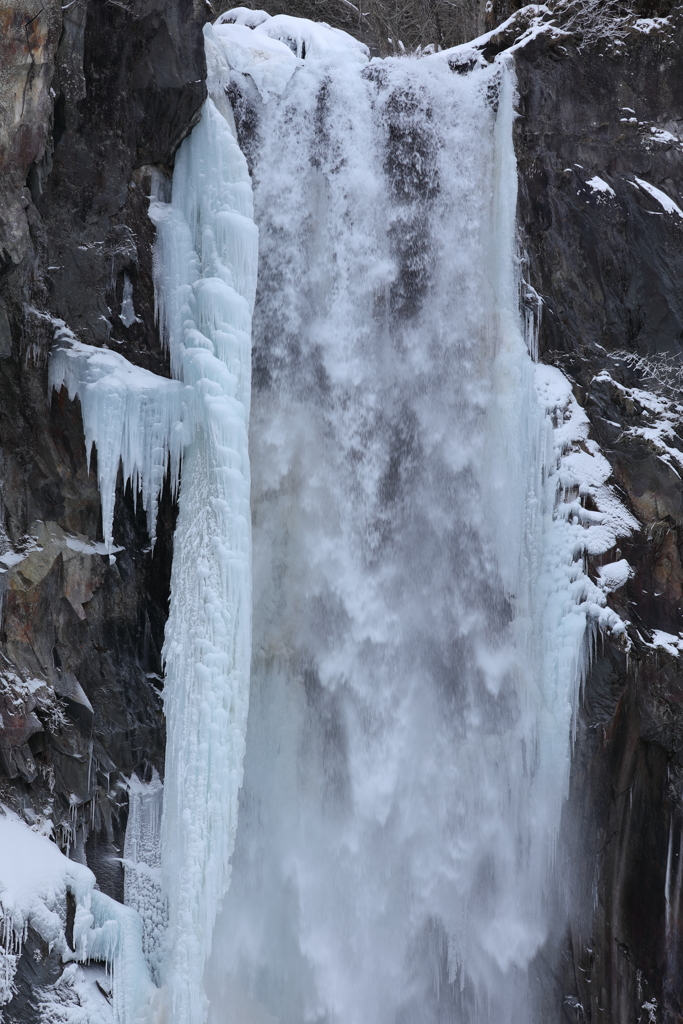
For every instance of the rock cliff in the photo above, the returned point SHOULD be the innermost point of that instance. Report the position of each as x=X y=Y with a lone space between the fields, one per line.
x=94 y=99
x=600 y=149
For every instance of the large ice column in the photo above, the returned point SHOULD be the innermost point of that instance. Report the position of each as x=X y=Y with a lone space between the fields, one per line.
x=205 y=283
x=206 y=253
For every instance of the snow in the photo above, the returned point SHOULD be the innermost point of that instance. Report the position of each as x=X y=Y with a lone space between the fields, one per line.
x=314 y=40
x=242 y=16
x=81 y=995
x=614 y=575
x=660 y=135
x=270 y=49
x=11 y=558
x=532 y=22
x=600 y=186
x=667 y=641
x=85 y=547
x=667 y=204
x=661 y=420
x=648 y=25
x=34 y=880
x=269 y=62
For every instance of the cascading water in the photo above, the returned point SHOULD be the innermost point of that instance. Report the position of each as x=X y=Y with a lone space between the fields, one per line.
x=389 y=845
x=417 y=633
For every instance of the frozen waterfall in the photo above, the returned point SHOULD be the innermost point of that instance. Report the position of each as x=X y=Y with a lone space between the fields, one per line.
x=420 y=518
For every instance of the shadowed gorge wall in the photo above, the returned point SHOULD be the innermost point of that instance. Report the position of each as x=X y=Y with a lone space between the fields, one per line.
x=609 y=268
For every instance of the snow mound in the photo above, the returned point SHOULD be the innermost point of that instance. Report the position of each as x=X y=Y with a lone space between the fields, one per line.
x=35 y=878
x=614 y=575
x=667 y=204
x=269 y=62
x=598 y=185
x=667 y=641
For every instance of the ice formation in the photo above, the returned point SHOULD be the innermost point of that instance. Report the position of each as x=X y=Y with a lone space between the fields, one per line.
x=34 y=880
x=142 y=867
x=206 y=256
x=207 y=247
x=133 y=418
x=127 y=314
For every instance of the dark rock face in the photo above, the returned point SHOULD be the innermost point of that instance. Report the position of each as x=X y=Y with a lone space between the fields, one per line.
x=94 y=98
x=608 y=266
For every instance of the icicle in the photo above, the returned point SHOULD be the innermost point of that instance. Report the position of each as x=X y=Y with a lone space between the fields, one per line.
x=133 y=418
